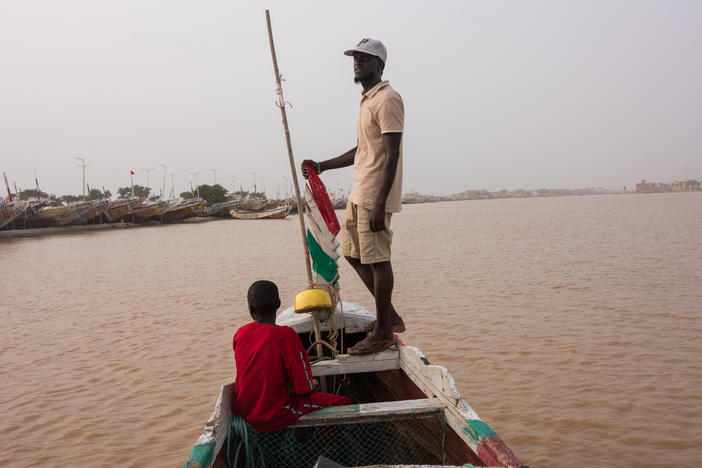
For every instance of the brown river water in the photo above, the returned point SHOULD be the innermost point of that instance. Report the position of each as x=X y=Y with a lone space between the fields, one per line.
x=572 y=325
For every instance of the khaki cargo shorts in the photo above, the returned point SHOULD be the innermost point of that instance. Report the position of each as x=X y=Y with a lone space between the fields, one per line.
x=358 y=241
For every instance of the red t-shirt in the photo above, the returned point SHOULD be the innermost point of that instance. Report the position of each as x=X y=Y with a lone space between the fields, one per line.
x=271 y=368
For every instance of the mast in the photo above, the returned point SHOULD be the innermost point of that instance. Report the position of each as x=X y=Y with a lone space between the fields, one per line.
x=281 y=105
x=9 y=194
x=37 y=182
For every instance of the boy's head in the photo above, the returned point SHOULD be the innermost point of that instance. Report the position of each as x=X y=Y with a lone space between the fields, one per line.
x=263 y=301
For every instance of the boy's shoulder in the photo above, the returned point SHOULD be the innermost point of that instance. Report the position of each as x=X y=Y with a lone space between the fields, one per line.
x=258 y=328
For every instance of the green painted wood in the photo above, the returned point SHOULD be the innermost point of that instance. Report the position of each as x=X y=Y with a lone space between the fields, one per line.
x=478 y=430
x=201 y=456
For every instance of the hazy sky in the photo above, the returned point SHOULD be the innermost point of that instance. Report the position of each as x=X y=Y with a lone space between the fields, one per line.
x=497 y=94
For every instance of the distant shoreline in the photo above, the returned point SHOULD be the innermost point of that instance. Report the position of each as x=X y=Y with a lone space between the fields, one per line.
x=412 y=199
x=38 y=232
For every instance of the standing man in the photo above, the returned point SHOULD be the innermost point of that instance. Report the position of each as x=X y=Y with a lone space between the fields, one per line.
x=377 y=190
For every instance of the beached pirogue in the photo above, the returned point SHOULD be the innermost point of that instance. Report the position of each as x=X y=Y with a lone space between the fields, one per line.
x=279 y=212
x=407 y=412
x=26 y=215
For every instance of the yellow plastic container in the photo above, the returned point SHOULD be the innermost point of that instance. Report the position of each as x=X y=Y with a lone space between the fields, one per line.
x=311 y=300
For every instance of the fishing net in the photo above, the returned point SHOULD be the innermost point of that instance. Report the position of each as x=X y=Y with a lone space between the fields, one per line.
x=417 y=439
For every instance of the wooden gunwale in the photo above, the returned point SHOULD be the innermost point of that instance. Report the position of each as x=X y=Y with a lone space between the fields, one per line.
x=381 y=411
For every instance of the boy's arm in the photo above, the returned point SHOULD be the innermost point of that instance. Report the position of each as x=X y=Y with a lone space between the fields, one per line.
x=297 y=365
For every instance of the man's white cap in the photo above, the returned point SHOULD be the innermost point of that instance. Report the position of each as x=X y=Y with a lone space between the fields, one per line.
x=370 y=47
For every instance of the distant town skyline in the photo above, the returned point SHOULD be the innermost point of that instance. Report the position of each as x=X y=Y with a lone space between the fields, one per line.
x=286 y=189
x=543 y=94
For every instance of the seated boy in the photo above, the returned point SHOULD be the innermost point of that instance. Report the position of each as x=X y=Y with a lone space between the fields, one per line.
x=273 y=384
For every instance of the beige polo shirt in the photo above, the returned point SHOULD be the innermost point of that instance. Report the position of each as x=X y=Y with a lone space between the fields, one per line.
x=382 y=111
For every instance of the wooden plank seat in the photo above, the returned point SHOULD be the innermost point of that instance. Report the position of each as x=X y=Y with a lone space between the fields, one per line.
x=348 y=364
x=380 y=411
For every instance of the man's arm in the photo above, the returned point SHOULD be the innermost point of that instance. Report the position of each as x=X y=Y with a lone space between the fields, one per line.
x=391 y=144
x=344 y=160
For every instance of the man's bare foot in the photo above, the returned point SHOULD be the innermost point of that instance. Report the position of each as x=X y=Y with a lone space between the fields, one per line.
x=397 y=325
x=371 y=344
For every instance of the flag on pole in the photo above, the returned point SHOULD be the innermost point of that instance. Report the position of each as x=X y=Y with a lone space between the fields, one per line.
x=322 y=229
x=319 y=191
x=9 y=194
x=37 y=182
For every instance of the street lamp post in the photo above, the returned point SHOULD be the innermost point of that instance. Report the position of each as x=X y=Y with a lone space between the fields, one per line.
x=148 y=185
x=163 y=190
x=196 y=186
x=214 y=171
x=83 y=165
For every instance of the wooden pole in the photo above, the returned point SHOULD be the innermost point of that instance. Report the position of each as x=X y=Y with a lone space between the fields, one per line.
x=281 y=104
x=303 y=231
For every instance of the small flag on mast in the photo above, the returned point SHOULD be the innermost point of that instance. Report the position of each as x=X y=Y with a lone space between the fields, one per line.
x=9 y=194
x=37 y=182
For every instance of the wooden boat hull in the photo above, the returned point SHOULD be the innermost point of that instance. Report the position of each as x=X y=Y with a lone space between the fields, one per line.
x=23 y=216
x=253 y=204
x=9 y=212
x=89 y=211
x=120 y=209
x=392 y=384
x=183 y=210
x=57 y=215
x=221 y=210
x=145 y=212
x=276 y=213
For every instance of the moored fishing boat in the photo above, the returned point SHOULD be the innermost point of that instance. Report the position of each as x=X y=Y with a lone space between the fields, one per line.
x=183 y=209
x=222 y=209
x=24 y=211
x=279 y=212
x=150 y=210
x=90 y=211
x=9 y=211
x=253 y=204
x=407 y=411
x=51 y=216
x=117 y=210
x=74 y=215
